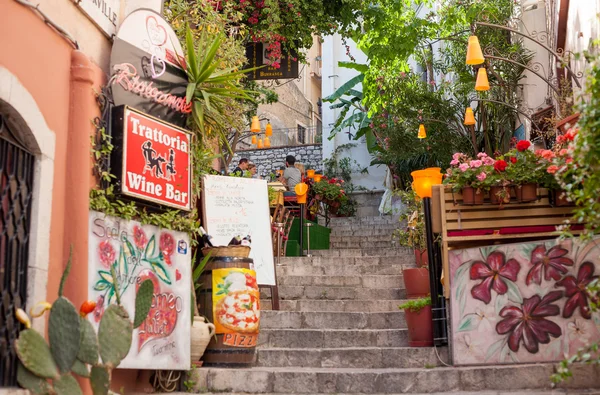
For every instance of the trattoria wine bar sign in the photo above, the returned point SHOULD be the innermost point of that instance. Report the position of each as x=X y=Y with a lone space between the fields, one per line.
x=152 y=158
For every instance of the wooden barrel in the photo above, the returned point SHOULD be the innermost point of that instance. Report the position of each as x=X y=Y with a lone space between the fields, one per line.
x=217 y=353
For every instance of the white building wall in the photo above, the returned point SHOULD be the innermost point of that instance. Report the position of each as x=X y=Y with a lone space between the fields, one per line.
x=334 y=77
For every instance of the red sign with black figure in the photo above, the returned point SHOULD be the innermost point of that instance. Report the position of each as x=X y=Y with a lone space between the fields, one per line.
x=156 y=161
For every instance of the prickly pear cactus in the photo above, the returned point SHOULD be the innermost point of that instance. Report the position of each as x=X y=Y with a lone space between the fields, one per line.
x=65 y=357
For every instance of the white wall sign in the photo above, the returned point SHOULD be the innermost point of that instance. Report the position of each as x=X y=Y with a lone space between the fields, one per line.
x=240 y=206
x=104 y=13
x=140 y=252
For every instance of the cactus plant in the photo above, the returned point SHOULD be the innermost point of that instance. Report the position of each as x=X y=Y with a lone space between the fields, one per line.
x=49 y=369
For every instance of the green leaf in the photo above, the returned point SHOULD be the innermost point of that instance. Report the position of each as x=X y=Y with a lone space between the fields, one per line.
x=514 y=294
x=130 y=250
x=494 y=348
x=158 y=269
x=122 y=264
x=371 y=141
x=31 y=382
x=189 y=92
x=99 y=380
x=343 y=90
x=101 y=285
x=363 y=68
x=143 y=302
x=64 y=326
x=468 y=323
x=105 y=276
x=65 y=274
x=35 y=354
x=80 y=369
x=150 y=247
x=200 y=268
x=191 y=58
x=67 y=385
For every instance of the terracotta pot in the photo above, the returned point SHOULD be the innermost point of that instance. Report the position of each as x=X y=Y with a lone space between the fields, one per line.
x=557 y=198
x=495 y=199
x=526 y=192
x=420 y=327
x=201 y=332
x=471 y=197
x=421 y=258
x=416 y=282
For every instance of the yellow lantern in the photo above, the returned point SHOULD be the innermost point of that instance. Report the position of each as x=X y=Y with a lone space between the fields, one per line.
x=253 y=139
x=318 y=177
x=422 y=134
x=267 y=142
x=423 y=180
x=482 y=83
x=474 y=54
x=260 y=143
x=469 y=117
x=310 y=173
x=301 y=189
x=255 y=127
x=269 y=130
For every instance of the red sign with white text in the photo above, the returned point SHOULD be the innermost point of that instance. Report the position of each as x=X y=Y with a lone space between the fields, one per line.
x=156 y=161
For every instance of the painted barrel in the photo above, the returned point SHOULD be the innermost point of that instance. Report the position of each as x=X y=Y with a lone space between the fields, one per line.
x=229 y=298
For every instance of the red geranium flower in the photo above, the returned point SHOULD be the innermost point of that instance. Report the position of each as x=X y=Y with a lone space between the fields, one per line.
x=167 y=246
x=529 y=324
x=500 y=165
x=513 y=159
x=523 y=145
x=139 y=237
x=492 y=272
x=552 y=262
x=575 y=290
x=106 y=253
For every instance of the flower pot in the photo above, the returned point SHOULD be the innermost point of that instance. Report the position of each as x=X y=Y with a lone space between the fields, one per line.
x=416 y=282
x=526 y=193
x=201 y=332
x=558 y=199
x=420 y=327
x=495 y=199
x=471 y=197
x=421 y=258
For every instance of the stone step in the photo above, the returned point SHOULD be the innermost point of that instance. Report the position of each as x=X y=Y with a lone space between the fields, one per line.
x=349 y=260
x=336 y=293
x=500 y=392
x=359 y=239
x=354 y=306
x=337 y=270
x=363 y=244
x=355 y=357
x=374 y=252
x=271 y=319
x=341 y=221
x=365 y=281
x=363 y=232
x=390 y=381
x=332 y=338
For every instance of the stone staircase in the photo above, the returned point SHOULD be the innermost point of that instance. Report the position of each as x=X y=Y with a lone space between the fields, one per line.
x=339 y=331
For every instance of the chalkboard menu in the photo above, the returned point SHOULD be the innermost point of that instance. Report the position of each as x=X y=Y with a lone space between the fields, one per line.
x=240 y=206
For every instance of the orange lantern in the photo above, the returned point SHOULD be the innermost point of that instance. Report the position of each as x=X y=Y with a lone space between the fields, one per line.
x=267 y=142
x=422 y=134
x=301 y=189
x=269 y=130
x=310 y=173
x=474 y=54
x=260 y=143
x=253 y=139
x=482 y=83
x=255 y=127
x=469 y=117
x=423 y=180
x=318 y=177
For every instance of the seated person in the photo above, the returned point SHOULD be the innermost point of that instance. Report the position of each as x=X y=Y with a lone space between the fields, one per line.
x=291 y=176
x=241 y=167
x=300 y=167
x=252 y=169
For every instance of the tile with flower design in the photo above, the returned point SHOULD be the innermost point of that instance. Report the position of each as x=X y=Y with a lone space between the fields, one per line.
x=526 y=302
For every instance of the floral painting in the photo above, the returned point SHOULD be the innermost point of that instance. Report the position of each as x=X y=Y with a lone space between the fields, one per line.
x=134 y=253
x=519 y=303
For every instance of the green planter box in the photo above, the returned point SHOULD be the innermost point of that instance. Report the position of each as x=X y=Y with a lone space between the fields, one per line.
x=319 y=236
x=293 y=248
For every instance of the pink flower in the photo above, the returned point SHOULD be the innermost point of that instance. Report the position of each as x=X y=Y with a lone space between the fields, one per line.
x=481 y=176
x=563 y=152
x=463 y=167
x=481 y=155
x=167 y=246
x=476 y=164
x=106 y=253
x=454 y=162
x=488 y=161
x=139 y=237
x=552 y=169
x=456 y=156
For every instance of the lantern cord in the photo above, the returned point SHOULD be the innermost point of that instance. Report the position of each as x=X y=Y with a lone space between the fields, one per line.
x=49 y=22
x=439 y=358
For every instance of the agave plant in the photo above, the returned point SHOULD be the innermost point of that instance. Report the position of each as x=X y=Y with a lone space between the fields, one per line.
x=211 y=89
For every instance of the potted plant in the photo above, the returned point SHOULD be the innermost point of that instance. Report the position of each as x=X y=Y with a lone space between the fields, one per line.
x=412 y=235
x=201 y=331
x=554 y=162
x=330 y=191
x=419 y=321
x=499 y=189
x=524 y=171
x=470 y=176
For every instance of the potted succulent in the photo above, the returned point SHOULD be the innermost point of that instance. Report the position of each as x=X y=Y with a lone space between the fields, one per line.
x=412 y=234
x=524 y=171
x=470 y=176
x=419 y=321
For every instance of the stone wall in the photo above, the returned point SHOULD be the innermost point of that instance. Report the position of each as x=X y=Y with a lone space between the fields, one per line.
x=268 y=160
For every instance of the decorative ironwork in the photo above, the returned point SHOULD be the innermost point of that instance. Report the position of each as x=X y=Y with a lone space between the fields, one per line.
x=16 y=185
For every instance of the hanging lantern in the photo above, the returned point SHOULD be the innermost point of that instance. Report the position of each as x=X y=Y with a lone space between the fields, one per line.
x=253 y=139
x=267 y=142
x=482 y=83
x=469 y=117
x=255 y=127
x=422 y=134
x=474 y=54
x=260 y=143
x=269 y=130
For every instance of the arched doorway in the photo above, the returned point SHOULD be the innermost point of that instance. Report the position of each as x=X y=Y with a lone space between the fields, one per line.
x=16 y=191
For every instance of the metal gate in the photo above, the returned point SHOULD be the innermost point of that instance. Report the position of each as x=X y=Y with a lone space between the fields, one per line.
x=16 y=185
